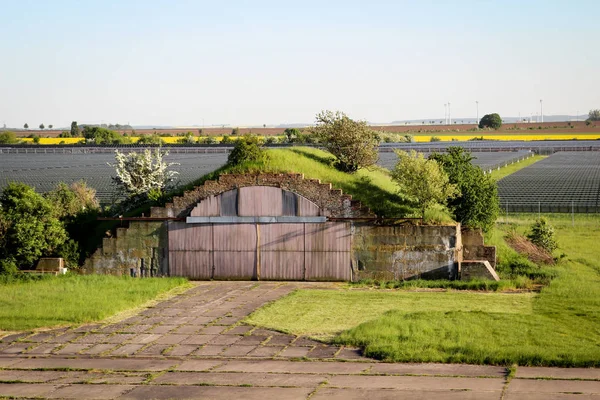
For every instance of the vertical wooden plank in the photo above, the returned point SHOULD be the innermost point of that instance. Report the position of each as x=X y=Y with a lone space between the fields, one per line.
x=229 y=203
x=235 y=251
x=260 y=201
x=307 y=208
x=209 y=207
x=328 y=251
x=282 y=251
x=289 y=203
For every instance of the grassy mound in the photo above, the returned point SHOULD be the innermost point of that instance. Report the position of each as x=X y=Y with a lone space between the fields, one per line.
x=373 y=187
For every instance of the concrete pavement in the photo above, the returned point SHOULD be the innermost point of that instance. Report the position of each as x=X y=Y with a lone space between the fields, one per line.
x=194 y=346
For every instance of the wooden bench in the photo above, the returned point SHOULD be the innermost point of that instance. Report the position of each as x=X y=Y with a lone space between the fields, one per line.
x=49 y=265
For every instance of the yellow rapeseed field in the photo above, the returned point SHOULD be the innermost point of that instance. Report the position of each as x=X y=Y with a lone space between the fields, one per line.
x=524 y=137
x=417 y=137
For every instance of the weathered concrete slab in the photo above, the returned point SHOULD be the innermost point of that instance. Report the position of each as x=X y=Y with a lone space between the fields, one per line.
x=9 y=361
x=199 y=365
x=97 y=363
x=387 y=394
x=526 y=386
x=238 y=379
x=91 y=392
x=439 y=369
x=26 y=390
x=549 y=396
x=558 y=373
x=208 y=392
x=308 y=367
x=417 y=383
x=30 y=376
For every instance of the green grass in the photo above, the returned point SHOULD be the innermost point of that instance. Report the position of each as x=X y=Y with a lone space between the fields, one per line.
x=560 y=326
x=373 y=187
x=503 y=172
x=328 y=312
x=74 y=299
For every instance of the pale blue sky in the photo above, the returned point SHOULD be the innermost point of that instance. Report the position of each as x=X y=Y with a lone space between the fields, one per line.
x=254 y=62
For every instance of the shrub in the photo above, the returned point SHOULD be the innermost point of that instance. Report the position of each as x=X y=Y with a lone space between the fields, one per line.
x=8 y=267
x=542 y=235
x=8 y=138
x=98 y=135
x=291 y=134
x=150 y=139
x=187 y=139
x=209 y=140
x=246 y=149
x=235 y=131
x=435 y=139
x=30 y=228
x=226 y=139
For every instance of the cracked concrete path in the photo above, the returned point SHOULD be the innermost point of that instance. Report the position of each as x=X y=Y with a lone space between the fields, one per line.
x=194 y=346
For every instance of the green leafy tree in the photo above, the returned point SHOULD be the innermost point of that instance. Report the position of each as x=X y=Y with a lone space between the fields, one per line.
x=477 y=205
x=69 y=201
x=235 y=131
x=423 y=181
x=42 y=126
x=26 y=126
x=31 y=227
x=291 y=134
x=594 y=115
x=8 y=138
x=247 y=149
x=542 y=235
x=50 y=126
x=77 y=207
x=74 y=129
x=493 y=121
x=226 y=139
x=210 y=140
x=150 y=139
x=98 y=135
x=353 y=143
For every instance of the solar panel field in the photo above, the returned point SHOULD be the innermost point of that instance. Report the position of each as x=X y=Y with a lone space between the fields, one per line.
x=486 y=160
x=563 y=182
x=44 y=171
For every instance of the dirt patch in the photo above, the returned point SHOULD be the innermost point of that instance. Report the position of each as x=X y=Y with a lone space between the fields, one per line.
x=524 y=246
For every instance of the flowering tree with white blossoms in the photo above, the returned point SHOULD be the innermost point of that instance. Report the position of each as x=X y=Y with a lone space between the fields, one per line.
x=143 y=175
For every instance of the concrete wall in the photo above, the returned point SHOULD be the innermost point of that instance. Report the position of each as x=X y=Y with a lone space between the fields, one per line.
x=405 y=251
x=475 y=249
x=147 y=241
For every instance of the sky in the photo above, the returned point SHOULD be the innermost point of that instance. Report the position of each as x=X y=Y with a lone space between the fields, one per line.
x=244 y=63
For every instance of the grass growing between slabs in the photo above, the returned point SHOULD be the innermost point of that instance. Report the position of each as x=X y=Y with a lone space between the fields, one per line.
x=75 y=299
x=559 y=326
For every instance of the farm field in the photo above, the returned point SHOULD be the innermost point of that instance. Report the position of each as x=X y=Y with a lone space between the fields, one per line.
x=563 y=182
x=418 y=137
x=438 y=129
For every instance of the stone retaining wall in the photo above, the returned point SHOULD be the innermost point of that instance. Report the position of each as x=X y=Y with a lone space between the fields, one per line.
x=405 y=251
